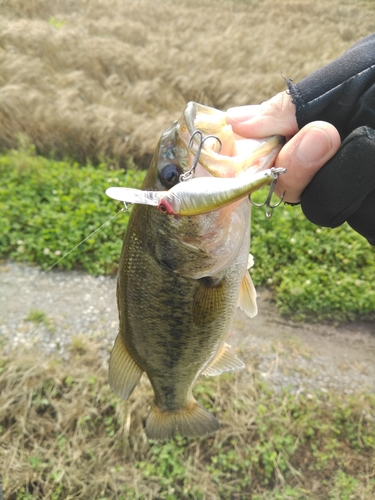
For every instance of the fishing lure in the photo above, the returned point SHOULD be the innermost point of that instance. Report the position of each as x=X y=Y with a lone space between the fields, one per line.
x=199 y=195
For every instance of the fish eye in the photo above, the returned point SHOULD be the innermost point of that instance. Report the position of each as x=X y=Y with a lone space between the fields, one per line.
x=170 y=175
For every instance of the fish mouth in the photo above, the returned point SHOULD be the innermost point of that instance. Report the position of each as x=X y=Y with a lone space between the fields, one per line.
x=231 y=154
x=216 y=151
x=200 y=116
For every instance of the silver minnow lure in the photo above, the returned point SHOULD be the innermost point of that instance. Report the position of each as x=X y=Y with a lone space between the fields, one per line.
x=198 y=195
x=205 y=194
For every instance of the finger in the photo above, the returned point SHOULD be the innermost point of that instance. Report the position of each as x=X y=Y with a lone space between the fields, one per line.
x=276 y=116
x=303 y=156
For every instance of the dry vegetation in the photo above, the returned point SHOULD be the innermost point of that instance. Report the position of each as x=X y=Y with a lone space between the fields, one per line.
x=65 y=435
x=103 y=78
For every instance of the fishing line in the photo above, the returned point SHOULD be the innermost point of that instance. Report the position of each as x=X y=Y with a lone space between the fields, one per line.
x=89 y=236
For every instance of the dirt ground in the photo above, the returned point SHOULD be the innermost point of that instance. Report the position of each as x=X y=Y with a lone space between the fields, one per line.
x=305 y=355
x=78 y=308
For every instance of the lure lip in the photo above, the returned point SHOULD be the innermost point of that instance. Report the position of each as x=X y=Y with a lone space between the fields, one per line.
x=137 y=196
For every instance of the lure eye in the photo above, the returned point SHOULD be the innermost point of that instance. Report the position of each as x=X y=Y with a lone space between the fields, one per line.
x=170 y=175
x=165 y=207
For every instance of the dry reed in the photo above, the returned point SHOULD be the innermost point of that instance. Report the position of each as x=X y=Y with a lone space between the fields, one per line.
x=95 y=79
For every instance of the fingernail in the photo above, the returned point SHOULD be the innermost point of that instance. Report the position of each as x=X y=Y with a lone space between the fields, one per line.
x=314 y=145
x=242 y=113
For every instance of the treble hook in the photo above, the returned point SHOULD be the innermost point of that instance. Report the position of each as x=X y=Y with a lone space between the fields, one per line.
x=189 y=174
x=275 y=172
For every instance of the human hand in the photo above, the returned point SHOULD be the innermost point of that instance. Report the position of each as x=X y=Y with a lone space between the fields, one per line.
x=306 y=150
x=344 y=190
x=342 y=95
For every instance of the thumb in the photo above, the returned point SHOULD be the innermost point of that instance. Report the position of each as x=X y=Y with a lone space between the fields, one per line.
x=303 y=156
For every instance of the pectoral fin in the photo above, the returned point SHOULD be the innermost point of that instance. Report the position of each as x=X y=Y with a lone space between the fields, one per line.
x=225 y=361
x=247 y=300
x=124 y=373
x=209 y=300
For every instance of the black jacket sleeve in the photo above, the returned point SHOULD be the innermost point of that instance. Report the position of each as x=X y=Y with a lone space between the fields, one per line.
x=341 y=93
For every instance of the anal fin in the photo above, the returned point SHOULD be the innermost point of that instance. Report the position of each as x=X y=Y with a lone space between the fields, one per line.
x=124 y=373
x=225 y=361
x=192 y=421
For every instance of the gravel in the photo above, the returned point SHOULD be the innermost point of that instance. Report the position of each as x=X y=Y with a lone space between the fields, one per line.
x=73 y=307
x=76 y=306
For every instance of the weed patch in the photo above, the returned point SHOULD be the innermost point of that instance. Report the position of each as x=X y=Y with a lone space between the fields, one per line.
x=40 y=318
x=49 y=207
x=316 y=273
x=64 y=434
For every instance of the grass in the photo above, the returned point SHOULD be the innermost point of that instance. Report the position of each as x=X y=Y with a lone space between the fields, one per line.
x=39 y=317
x=36 y=316
x=65 y=435
x=315 y=273
x=49 y=207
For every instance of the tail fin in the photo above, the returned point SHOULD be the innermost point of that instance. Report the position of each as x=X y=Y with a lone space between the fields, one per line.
x=192 y=421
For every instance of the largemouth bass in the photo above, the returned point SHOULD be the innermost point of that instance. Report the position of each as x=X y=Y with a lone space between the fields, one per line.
x=181 y=278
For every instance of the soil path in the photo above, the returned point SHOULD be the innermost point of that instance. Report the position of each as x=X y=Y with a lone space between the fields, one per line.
x=80 y=308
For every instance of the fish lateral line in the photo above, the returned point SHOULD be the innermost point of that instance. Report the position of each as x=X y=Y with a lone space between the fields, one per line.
x=124 y=209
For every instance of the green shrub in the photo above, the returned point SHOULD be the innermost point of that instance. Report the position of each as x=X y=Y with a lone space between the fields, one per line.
x=49 y=207
x=314 y=272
